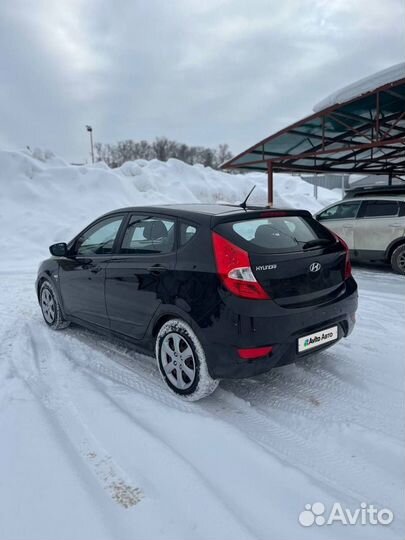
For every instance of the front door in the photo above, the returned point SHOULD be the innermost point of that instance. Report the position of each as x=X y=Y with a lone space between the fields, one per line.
x=82 y=274
x=141 y=275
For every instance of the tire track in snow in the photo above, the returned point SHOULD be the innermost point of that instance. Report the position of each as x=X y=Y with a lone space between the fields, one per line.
x=34 y=370
x=131 y=369
x=331 y=469
x=322 y=383
x=92 y=362
x=328 y=468
x=176 y=455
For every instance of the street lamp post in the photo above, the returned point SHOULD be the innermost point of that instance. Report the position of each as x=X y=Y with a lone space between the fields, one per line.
x=90 y=130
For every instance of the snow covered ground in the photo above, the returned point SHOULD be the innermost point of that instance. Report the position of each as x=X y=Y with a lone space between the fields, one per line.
x=94 y=447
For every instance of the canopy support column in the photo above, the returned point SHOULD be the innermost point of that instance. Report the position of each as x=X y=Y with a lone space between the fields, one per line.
x=270 y=197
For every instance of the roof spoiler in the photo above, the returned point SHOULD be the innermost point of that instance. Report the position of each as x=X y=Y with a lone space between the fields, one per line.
x=256 y=213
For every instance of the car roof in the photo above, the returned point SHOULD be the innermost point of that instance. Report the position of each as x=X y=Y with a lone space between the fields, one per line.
x=198 y=210
x=376 y=191
x=380 y=189
x=375 y=197
x=194 y=208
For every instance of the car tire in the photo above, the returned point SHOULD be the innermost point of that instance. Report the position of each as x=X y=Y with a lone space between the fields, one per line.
x=398 y=259
x=182 y=362
x=50 y=307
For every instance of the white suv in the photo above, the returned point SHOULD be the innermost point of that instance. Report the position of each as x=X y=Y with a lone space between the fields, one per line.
x=372 y=223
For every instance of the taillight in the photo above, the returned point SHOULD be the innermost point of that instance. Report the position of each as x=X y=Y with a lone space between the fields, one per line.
x=233 y=266
x=348 y=264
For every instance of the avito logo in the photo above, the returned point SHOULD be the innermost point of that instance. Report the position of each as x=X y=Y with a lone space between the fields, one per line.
x=366 y=514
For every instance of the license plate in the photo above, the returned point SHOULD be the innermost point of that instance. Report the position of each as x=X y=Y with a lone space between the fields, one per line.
x=311 y=341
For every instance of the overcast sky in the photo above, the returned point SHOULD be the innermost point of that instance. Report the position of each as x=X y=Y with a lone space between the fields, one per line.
x=199 y=71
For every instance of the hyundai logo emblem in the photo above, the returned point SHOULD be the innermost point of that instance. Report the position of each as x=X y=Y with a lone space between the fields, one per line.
x=315 y=267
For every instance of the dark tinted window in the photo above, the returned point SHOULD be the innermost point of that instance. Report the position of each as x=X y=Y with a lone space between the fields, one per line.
x=148 y=234
x=287 y=233
x=99 y=239
x=341 y=211
x=187 y=231
x=380 y=208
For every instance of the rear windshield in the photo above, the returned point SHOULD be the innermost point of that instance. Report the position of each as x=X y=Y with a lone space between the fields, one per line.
x=281 y=233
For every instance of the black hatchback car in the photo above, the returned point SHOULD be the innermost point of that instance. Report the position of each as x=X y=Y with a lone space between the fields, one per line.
x=216 y=291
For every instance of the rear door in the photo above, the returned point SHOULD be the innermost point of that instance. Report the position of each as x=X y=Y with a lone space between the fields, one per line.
x=380 y=222
x=141 y=275
x=294 y=258
x=341 y=219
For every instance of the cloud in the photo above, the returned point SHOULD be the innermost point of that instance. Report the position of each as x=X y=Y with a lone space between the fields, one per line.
x=200 y=72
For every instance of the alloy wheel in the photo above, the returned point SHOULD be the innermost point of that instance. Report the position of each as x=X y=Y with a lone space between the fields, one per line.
x=48 y=306
x=178 y=361
x=401 y=261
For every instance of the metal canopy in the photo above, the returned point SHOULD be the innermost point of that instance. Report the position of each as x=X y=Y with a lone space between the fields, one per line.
x=363 y=135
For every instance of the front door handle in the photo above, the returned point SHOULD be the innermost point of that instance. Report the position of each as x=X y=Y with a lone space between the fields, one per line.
x=157 y=269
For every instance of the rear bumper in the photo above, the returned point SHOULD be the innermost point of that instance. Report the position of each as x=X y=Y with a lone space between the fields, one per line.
x=276 y=326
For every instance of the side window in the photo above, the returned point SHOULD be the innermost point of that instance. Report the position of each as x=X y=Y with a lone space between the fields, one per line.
x=380 y=209
x=99 y=239
x=341 y=211
x=148 y=235
x=187 y=231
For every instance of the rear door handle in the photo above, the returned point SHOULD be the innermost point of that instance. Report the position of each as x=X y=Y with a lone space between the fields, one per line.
x=347 y=227
x=96 y=269
x=157 y=269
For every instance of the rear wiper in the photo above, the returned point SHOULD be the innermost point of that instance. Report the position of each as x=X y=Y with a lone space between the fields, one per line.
x=316 y=242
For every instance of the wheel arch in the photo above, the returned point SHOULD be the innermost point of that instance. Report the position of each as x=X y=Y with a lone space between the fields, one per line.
x=392 y=246
x=47 y=275
x=40 y=281
x=164 y=315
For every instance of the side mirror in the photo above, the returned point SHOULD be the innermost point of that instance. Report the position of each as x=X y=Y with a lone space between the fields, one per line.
x=59 y=250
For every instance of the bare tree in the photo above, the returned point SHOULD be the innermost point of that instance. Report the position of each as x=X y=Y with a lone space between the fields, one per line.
x=223 y=154
x=161 y=148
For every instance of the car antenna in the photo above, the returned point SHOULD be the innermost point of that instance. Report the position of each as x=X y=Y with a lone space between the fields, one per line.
x=243 y=204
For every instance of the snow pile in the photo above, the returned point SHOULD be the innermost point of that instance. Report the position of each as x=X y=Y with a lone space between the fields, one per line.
x=367 y=84
x=45 y=200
